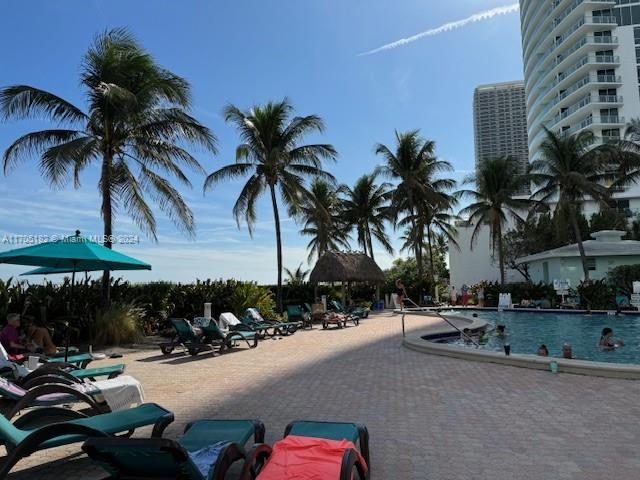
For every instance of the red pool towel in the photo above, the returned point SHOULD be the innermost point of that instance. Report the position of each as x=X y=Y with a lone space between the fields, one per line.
x=306 y=458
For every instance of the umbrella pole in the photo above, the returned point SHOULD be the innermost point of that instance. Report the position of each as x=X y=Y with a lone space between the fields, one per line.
x=66 y=335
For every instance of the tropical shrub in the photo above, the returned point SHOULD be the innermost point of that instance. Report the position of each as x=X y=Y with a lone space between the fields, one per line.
x=248 y=295
x=622 y=278
x=118 y=325
x=597 y=295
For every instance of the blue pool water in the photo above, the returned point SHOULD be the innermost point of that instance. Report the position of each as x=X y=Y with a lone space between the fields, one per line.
x=527 y=330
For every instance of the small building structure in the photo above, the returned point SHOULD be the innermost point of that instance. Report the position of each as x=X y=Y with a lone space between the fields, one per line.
x=346 y=267
x=605 y=251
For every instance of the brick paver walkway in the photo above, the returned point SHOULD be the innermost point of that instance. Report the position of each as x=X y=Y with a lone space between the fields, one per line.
x=429 y=417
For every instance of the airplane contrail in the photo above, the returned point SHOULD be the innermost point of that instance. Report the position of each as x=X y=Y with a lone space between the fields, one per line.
x=447 y=27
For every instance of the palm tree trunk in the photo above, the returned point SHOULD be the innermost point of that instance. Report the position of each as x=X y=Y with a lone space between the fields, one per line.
x=276 y=217
x=432 y=268
x=500 y=253
x=576 y=230
x=364 y=242
x=370 y=243
x=107 y=219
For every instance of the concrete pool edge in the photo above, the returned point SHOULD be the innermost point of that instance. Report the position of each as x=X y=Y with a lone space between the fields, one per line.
x=416 y=342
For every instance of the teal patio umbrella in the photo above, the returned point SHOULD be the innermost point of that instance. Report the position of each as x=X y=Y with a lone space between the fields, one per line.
x=70 y=255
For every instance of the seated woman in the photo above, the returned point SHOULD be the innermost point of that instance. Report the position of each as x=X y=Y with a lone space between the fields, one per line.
x=37 y=339
x=606 y=340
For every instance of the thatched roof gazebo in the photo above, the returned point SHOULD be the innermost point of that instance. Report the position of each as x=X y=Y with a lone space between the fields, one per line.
x=346 y=267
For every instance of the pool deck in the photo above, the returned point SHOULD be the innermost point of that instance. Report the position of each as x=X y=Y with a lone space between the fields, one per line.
x=430 y=417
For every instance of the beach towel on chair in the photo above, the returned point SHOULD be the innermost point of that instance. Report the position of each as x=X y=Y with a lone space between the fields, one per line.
x=306 y=458
x=121 y=393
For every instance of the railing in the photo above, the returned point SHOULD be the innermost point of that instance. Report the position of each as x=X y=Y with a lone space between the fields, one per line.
x=579 y=44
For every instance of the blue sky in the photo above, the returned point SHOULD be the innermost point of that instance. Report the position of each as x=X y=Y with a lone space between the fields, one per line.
x=246 y=52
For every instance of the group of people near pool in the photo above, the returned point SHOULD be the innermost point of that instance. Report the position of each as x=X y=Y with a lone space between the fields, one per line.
x=481 y=336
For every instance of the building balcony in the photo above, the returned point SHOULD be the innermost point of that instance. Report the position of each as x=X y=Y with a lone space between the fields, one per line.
x=587 y=44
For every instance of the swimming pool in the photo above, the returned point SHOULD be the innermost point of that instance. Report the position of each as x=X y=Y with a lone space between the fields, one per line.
x=527 y=330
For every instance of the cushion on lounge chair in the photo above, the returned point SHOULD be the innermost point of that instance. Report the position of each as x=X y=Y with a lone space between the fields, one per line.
x=227 y=320
x=307 y=458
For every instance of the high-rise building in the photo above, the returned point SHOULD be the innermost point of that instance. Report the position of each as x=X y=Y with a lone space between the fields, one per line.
x=500 y=122
x=581 y=70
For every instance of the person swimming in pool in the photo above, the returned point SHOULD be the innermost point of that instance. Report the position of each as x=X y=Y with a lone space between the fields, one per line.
x=543 y=351
x=465 y=335
x=607 y=341
x=501 y=331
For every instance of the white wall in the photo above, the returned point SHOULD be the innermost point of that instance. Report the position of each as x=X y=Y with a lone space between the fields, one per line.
x=472 y=266
x=571 y=268
x=628 y=71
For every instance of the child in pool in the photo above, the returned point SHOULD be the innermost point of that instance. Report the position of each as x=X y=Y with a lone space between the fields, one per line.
x=543 y=351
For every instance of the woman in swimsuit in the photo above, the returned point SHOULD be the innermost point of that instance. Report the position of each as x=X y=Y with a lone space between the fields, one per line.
x=401 y=293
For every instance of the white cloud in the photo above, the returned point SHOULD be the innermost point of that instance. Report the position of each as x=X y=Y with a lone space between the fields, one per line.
x=447 y=27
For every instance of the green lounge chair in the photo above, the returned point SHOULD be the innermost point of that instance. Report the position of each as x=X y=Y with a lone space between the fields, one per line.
x=67 y=374
x=295 y=315
x=21 y=438
x=81 y=360
x=214 y=335
x=351 y=466
x=358 y=311
x=252 y=316
x=163 y=459
x=339 y=309
x=186 y=336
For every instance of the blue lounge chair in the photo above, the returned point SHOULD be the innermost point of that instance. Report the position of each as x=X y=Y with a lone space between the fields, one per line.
x=22 y=438
x=206 y=451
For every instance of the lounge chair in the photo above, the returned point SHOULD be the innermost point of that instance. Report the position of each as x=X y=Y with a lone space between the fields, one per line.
x=186 y=336
x=296 y=315
x=339 y=309
x=51 y=394
x=214 y=335
x=67 y=374
x=206 y=451
x=22 y=439
x=252 y=316
x=357 y=311
x=228 y=321
x=79 y=359
x=341 y=451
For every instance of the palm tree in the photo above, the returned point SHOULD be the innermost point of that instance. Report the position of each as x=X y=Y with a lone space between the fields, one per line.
x=135 y=127
x=569 y=170
x=320 y=211
x=624 y=156
x=366 y=208
x=271 y=155
x=497 y=184
x=414 y=166
x=296 y=277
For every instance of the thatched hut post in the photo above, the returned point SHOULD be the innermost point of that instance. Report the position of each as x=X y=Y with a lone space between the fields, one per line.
x=347 y=267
